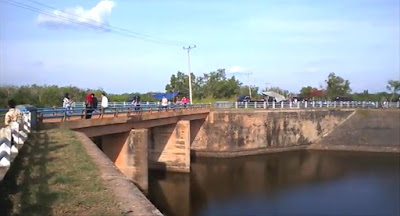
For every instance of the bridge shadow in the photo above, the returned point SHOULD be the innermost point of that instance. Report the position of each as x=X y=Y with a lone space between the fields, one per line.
x=25 y=188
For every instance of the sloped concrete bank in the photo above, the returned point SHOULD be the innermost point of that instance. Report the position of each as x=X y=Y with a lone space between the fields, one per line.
x=366 y=130
x=239 y=132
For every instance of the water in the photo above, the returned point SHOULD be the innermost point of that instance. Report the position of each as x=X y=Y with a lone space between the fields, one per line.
x=291 y=183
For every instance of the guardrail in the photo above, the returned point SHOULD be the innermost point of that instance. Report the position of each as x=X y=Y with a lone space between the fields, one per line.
x=306 y=105
x=65 y=114
x=12 y=135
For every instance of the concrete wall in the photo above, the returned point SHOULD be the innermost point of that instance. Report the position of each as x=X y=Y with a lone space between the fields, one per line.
x=128 y=151
x=230 y=133
x=366 y=130
x=169 y=147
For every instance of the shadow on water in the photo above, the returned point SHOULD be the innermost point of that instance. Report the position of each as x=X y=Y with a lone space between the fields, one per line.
x=25 y=186
x=291 y=183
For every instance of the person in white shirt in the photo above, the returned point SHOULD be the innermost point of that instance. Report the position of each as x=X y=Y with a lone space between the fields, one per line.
x=67 y=103
x=164 y=102
x=104 y=102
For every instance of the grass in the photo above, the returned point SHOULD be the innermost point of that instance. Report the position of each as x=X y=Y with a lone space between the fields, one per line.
x=53 y=175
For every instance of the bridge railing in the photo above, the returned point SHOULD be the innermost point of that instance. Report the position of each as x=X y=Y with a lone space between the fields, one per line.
x=13 y=135
x=65 y=114
x=306 y=105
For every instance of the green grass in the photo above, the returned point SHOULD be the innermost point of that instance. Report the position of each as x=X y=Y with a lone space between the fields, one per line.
x=53 y=175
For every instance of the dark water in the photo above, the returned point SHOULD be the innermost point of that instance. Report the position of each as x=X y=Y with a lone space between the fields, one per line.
x=292 y=183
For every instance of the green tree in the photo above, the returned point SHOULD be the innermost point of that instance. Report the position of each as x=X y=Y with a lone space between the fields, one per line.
x=306 y=91
x=337 y=86
x=393 y=86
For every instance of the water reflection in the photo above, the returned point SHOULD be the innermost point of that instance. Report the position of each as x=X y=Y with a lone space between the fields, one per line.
x=300 y=182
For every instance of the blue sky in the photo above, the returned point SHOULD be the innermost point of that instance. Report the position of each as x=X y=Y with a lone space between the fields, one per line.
x=289 y=44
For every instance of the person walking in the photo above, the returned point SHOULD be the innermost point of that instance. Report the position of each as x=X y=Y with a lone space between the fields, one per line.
x=89 y=106
x=67 y=104
x=104 y=102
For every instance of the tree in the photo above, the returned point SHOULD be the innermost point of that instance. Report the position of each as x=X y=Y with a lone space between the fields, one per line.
x=394 y=87
x=305 y=92
x=337 y=86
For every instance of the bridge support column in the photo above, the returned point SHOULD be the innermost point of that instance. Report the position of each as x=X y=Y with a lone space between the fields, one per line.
x=128 y=151
x=169 y=147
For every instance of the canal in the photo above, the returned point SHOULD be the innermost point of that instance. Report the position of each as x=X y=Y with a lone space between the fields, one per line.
x=289 y=183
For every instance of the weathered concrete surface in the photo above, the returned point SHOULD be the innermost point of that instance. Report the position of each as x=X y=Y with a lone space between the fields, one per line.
x=128 y=151
x=233 y=133
x=366 y=130
x=130 y=198
x=169 y=147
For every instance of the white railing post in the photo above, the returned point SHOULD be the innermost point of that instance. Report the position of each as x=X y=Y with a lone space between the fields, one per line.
x=398 y=104
x=281 y=104
x=321 y=104
x=377 y=104
x=305 y=104
x=334 y=104
x=341 y=104
x=273 y=104
x=124 y=103
x=363 y=104
x=5 y=147
x=265 y=105
x=236 y=105
x=313 y=104
x=255 y=104
x=348 y=104
x=290 y=104
x=298 y=104
x=245 y=104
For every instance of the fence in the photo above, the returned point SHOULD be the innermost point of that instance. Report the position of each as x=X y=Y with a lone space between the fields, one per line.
x=116 y=109
x=13 y=135
x=306 y=105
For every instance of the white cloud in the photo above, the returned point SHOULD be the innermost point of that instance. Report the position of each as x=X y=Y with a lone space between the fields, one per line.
x=78 y=16
x=237 y=69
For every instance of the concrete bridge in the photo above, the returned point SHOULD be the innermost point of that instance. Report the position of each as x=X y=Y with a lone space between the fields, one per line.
x=142 y=141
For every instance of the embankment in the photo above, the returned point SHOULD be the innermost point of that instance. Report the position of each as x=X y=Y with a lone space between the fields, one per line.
x=235 y=133
x=366 y=130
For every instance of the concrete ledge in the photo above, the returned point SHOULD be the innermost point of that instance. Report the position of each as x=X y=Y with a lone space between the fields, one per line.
x=130 y=198
x=237 y=153
x=383 y=149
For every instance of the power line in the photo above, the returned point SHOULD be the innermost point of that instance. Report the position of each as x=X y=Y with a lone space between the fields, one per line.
x=102 y=23
x=116 y=30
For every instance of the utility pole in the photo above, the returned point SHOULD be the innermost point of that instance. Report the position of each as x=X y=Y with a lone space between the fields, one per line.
x=190 y=75
x=248 y=81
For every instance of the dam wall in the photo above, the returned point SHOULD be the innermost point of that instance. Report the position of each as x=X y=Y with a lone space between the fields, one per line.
x=241 y=132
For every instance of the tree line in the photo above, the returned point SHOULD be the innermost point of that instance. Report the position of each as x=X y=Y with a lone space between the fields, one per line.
x=216 y=85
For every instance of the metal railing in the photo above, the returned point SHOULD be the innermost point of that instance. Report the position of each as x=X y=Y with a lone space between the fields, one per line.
x=306 y=105
x=116 y=109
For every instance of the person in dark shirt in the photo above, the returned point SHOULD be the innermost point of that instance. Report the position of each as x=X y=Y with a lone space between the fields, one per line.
x=95 y=102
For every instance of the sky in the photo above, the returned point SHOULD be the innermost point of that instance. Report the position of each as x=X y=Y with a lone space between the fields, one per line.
x=289 y=44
